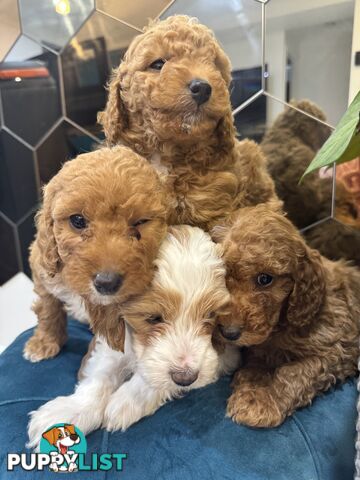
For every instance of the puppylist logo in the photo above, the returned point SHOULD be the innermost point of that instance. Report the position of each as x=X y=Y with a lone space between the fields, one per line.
x=63 y=449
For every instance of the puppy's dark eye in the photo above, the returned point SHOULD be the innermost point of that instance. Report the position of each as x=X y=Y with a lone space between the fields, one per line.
x=211 y=315
x=140 y=222
x=158 y=64
x=78 y=221
x=154 y=319
x=264 y=279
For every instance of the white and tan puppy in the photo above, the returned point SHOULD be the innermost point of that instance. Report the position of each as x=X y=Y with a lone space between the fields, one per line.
x=168 y=348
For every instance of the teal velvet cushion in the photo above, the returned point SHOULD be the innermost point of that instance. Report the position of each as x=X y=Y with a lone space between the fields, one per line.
x=187 y=439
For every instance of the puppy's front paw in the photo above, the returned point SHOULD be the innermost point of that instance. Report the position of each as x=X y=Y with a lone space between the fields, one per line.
x=122 y=411
x=255 y=408
x=127 y=406
x=86 y=415
x=37 y=349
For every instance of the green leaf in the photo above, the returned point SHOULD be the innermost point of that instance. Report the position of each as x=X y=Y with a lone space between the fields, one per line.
x=343 y=144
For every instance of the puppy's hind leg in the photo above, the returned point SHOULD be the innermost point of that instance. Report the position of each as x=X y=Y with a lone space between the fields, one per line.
x=50 y=333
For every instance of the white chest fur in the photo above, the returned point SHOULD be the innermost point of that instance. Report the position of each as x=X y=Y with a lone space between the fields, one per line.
x=74 y=304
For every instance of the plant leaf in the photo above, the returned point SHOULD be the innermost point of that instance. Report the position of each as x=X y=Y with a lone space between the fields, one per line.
x=343 y=144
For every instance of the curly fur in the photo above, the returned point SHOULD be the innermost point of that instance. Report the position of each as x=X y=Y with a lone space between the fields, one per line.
x=290 y=145
x=301 y=331
x=210 y=173
x=115 y=389
x=112 y=189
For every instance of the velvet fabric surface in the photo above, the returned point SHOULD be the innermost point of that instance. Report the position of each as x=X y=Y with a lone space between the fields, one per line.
x=187 y=439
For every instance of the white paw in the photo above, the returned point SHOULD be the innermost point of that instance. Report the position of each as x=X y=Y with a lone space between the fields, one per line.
x=87 y=417
x=123 y=410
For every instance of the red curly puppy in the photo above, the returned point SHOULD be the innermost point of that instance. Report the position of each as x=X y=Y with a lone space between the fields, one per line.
x=169 y=101
x=99 y=230
x=298 y=313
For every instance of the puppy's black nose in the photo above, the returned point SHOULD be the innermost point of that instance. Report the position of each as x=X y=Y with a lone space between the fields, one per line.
x=74 y=437
x=230 y=333
x=184 y=378
x=200 y=90
x=107 y=283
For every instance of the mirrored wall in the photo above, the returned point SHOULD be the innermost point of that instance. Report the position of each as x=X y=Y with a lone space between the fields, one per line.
x=56 y=58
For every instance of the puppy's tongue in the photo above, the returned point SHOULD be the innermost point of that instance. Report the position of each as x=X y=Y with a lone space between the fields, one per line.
x=63 y=449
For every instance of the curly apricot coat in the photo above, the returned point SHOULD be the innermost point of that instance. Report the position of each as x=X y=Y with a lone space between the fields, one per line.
x=125 y=206
x=300 y=321
x=210 y=173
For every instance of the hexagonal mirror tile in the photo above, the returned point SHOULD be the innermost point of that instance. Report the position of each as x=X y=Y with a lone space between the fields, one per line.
x=9 y=25
x=64 y=143
x=29 y=83
x=26 y=233
x=87 y=64
x=308 y=52
x=19 y=191
x=237 y=26
x=9 y=257
x=290 y=141
x=54 y=22
x=137 y=12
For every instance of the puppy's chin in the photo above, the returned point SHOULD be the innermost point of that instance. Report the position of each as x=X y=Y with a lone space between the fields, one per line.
x=186 y=128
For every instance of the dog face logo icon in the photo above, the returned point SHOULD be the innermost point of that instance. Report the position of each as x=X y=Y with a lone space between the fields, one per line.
x=63 y=442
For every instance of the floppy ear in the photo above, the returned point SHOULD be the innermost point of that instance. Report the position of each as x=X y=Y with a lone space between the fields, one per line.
x=45 y=239
x=114 y=118
x=309 y=290
x=225 y=132
x=107 y=322
x=50 y=436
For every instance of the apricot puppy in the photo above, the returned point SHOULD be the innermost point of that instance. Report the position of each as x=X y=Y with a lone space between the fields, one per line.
x=98 y=232
x=169 y=101
x=296 y=311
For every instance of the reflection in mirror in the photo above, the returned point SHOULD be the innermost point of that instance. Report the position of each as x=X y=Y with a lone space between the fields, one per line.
x=9 y=259
x=87 y=63
x=136 y=12
x=308 y=52
x=18 y=184
x=237 y=27
x=53 y=22
x=29 y=83
x=64 y=143
x=9 y=25
x=347 y=199
x=290 y=144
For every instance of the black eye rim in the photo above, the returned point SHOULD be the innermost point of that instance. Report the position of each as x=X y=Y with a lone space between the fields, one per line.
x=269 y=279
x=140 y=222
x=78 y=221
x=155 y=319
x=157 y=64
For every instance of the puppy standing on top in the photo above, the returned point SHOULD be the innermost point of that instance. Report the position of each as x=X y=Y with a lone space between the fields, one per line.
x=169 y=101
x=170 y=352
x=99 y=230
x=298 y=313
